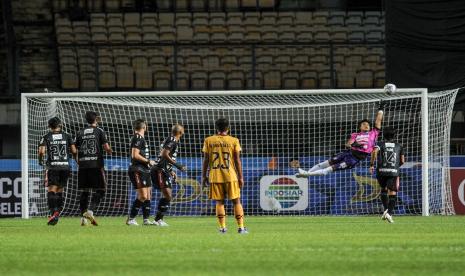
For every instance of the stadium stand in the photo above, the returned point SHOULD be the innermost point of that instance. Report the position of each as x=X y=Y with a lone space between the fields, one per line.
x=189 y=50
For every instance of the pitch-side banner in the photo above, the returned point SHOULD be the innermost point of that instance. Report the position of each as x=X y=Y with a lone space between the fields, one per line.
x=10 y=194
x=458 y=189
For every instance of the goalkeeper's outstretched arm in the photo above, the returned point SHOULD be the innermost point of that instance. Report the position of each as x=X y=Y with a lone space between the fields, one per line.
x=379 y=115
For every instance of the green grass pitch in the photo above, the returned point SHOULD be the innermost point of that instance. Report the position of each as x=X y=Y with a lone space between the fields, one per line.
x=275 y=246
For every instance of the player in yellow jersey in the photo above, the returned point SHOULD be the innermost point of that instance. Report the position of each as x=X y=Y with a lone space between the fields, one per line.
x=223 y=164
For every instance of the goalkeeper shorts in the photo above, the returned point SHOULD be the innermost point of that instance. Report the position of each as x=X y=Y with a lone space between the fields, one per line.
x=227 y=190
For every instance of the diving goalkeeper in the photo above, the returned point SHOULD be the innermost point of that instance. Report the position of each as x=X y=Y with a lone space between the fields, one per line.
x=359 y=146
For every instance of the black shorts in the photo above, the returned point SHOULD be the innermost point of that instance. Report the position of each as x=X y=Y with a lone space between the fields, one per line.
x=92 y=178
x=390 y=182
x=162 y=179
x=139 y=178
x=56 y=178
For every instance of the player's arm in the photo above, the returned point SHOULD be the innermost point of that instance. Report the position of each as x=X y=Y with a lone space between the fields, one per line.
x=107 y=148
x=74 y=151
x=374 y=155
x=41 y=155
x=238 y=165
x=402 y=157
x=135 y=155
x=165 y=153
x=205 y=163
x=349 y=142
x=379 y=115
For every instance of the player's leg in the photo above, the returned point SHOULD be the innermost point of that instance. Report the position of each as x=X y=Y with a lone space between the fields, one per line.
x=52 y=204
x=393 y=187
x=383 y=195
x=136 y=181
x=163 y=206
x=217 y=193
x=234 y=193
x=84 y=194
x=97 y=180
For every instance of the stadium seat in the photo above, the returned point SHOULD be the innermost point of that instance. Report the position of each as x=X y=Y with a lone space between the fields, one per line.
x=380 y=78
x=364 y=79
x=371 y=18
x=198 y=5
x=124 y=77
x=345 y=79
x=269 y=33
x=162 y=80
x=266 y=4
x=165 y=5
x=183 y=19
x=324 y=79
x=166 y=26
x=354 y=19
x=107 y=78
x=249 y=4
x=182 y=81
x=235 y=80
x=144 y=78
x=184 y=34
x=338 y=34
x=88 y=81
x=272 y=80
x=199 y=80
x=320 y=18
x=116 y=34
x=268 y=19
x=217 y=80
x=300 y=60
x=231 y=5
x=290 y=80
x=81 y=32
x=309 y=80
x=69 y=77
x=287 y=18
x=356 y=34
x=336 y=19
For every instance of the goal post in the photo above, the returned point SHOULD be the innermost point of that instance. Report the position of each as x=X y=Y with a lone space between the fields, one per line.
x=276 y=128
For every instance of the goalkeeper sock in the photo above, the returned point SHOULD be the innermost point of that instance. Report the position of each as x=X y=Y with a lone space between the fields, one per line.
x=51 y=201
x=384 y=199
x=59 y=201
x=239 y=214
x=84 y=202
x=135 y=208
x=320 y=166
x=321 y=172
x=146 y=209
x=96 y=198
x=221 y=215
x=392 y=204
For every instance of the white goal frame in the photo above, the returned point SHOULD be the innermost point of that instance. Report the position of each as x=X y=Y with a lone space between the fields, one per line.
x=24 y=122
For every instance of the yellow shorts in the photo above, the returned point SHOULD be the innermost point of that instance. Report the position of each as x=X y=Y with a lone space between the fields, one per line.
x=228 y=190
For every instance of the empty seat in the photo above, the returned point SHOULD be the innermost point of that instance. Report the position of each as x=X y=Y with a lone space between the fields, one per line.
x=336 y=19
x=198 y=5
x=269 y=33
x=184 y=34
x=290 y=80
x=287 y=18
x=183 y=19
x=217 y=80
x=144 y=78
x=320 y=18
x=161 y=80
x=182 y=81
x=354 y=18
x=272 y=80
x=372 y=18
x=88 y=81
x=81 y=31
x=124 y=77
x=309 y=80
x=199 y=80
x=268 y=19
x=345 y=79
x=232 y=5
x=235 y=80
x=302 y=18
x=266 y=4
x=364 y=79
x=107 y=77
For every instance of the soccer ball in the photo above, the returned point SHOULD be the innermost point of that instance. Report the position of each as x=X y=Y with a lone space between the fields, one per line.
x=390 y=88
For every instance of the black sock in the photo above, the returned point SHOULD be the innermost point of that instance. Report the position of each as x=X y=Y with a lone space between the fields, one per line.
x=135 y=208
x=146 y=209
x=84 y=202
x=59 y=201
x=163 y=206
x=96 y=198
x=384 y=199
x=392 y=204
x=51 y=201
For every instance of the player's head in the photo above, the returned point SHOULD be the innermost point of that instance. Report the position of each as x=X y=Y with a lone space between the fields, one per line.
x=139 y=125
x=364 y=125
x=177 y=129
x=91 y=117
x=222 y=125
x=389 y=133
x=54 y=123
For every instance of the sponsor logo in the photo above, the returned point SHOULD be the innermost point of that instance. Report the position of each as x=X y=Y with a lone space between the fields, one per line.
x=57 y=136
x=283 y=193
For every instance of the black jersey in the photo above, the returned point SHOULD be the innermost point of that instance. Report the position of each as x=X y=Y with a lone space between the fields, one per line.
x=58 y=149
x=389 y=158
x=172 y=145
x=89 y=142
x=138 y=142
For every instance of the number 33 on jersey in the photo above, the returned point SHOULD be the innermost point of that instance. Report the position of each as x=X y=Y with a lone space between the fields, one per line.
x=220 y=150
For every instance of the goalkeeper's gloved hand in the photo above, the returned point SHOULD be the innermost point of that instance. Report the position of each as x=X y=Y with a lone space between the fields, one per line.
x=357 y=145
x=381 y=105
x=180 y=167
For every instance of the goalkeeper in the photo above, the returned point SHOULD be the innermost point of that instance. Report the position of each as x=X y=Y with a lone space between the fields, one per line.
x=359 y=146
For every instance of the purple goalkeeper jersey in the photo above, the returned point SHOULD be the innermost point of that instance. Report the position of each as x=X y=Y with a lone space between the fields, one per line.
x=367 y=139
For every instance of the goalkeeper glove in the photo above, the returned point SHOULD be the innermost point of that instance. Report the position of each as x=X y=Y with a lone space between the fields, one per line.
x=381 y=105
x=357 y=145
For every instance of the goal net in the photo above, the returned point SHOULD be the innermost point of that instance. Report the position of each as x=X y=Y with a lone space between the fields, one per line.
x=278 y=130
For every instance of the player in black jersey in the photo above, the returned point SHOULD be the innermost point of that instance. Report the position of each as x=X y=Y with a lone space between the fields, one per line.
x=163 y=176
x=139 y=174
x=57 y=145
x=390 y=156
x=91 y=142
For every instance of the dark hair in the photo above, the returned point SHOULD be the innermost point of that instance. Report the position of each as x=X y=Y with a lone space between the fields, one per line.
x=222 y=124
x=54 y=123
x=138 y=124
x=91 y=117
x=389 y=133
x=363 y=121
